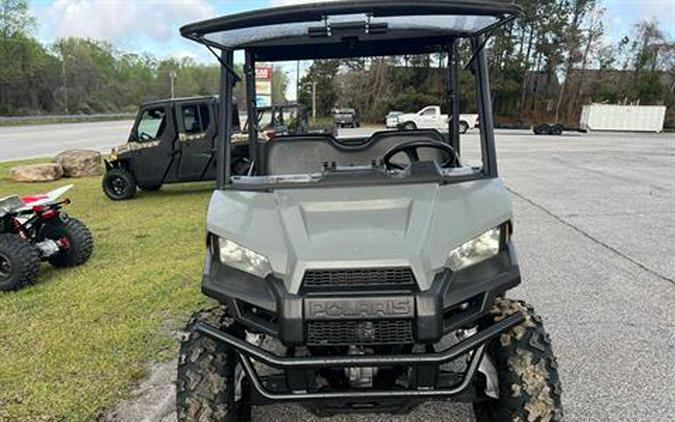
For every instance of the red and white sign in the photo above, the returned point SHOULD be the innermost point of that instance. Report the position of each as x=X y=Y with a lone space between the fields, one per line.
x=263 y=72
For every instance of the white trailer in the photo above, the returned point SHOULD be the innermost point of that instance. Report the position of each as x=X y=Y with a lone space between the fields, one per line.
x=643 y=118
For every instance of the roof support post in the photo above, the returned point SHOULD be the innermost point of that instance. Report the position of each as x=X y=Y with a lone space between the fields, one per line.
x=453 y=95
x=223 y=144
x=251 y=106
x=487 y=135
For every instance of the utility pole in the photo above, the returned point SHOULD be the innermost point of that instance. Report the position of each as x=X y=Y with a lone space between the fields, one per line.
x=297 y=80
x=65 y=81
x=313 y=84
x=172 y=75
x=314 y=100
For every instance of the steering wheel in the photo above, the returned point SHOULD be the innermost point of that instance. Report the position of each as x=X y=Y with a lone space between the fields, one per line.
x=410 y=149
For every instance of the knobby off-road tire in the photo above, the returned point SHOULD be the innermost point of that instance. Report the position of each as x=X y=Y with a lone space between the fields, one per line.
x=19 y=262
x=80 y=242
x=205 y=385
x=118 y=184
x=529 y=385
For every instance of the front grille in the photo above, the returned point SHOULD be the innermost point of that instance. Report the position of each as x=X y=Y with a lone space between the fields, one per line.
x=359 y=278
x=342 y=333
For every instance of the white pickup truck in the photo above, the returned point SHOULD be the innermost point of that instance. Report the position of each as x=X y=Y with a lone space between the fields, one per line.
x=430 y=117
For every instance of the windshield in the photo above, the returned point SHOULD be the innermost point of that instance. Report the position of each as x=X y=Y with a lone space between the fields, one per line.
x=152 y=124
x=366 y=152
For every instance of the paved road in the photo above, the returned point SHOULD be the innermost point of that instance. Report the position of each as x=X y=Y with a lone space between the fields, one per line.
x=595 y=229
x=19 y=142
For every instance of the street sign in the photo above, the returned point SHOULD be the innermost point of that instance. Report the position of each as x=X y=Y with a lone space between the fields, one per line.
x=263 y=72
x=263 y=101
x=263 y=85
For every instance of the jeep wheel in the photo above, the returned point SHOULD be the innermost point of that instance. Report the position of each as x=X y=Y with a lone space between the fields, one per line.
x=526 y=369
x=19 y=262
x=409 y=126
x=79 y=239
x=463 y=127
x=119 y=184
x=205 y=387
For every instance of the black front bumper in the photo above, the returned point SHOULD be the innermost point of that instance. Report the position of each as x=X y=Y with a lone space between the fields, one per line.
x=455 y=301
x=426 y=367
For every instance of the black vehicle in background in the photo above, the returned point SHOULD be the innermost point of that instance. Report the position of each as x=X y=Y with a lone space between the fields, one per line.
x=346 y=117
x=173 y=141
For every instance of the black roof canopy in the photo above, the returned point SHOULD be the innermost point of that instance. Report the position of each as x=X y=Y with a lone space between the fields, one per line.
x=351 y=28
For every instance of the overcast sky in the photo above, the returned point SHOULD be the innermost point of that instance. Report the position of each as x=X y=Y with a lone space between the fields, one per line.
x=152 y=25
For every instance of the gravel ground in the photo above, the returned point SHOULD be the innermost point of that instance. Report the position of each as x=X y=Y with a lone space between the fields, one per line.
x=595 y=230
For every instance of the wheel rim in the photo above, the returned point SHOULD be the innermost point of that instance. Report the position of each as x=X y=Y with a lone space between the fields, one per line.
x=5 y=267
x=117 y=185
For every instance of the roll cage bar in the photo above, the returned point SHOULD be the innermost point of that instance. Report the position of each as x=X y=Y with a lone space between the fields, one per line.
x=350 y=29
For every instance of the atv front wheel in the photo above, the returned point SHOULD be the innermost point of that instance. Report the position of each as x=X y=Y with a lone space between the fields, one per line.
x=118 y=184
x=463 y=127
x=19 y=262
x=79 y=242
x=207 y=373
x=529 y=386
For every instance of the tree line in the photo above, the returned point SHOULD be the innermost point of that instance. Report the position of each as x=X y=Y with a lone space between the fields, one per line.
x=75 y=75
x=544 y=66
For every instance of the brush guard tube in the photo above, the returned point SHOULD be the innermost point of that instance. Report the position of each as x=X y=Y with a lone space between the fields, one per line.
x=474 y=345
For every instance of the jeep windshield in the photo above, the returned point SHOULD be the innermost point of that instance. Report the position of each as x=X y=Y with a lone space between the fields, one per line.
x=369 y=30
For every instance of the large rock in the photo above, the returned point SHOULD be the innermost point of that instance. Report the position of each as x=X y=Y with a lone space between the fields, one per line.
x=36 y=172
x=79 y=163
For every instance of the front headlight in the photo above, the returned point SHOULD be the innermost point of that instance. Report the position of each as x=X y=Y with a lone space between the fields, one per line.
x=474 y=251
x=244 y=259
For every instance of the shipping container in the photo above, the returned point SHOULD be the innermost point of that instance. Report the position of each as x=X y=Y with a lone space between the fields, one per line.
x=647 y=118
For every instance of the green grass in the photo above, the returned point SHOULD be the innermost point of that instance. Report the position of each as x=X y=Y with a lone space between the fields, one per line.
x=77 y=341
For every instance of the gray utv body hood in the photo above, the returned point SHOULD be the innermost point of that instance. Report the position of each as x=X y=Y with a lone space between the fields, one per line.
x=412 y=225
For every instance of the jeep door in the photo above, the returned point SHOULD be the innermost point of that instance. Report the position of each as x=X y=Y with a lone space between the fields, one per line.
x=196 y=133
x=154 y=133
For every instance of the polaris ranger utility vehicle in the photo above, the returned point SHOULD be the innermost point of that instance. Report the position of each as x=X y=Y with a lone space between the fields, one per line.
x=369 y=275
x=173 y=141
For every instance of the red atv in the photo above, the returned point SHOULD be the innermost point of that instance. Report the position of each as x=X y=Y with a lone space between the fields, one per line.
x=35 y=229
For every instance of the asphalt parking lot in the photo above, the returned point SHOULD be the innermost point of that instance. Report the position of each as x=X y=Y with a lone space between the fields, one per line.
x=595 y=231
